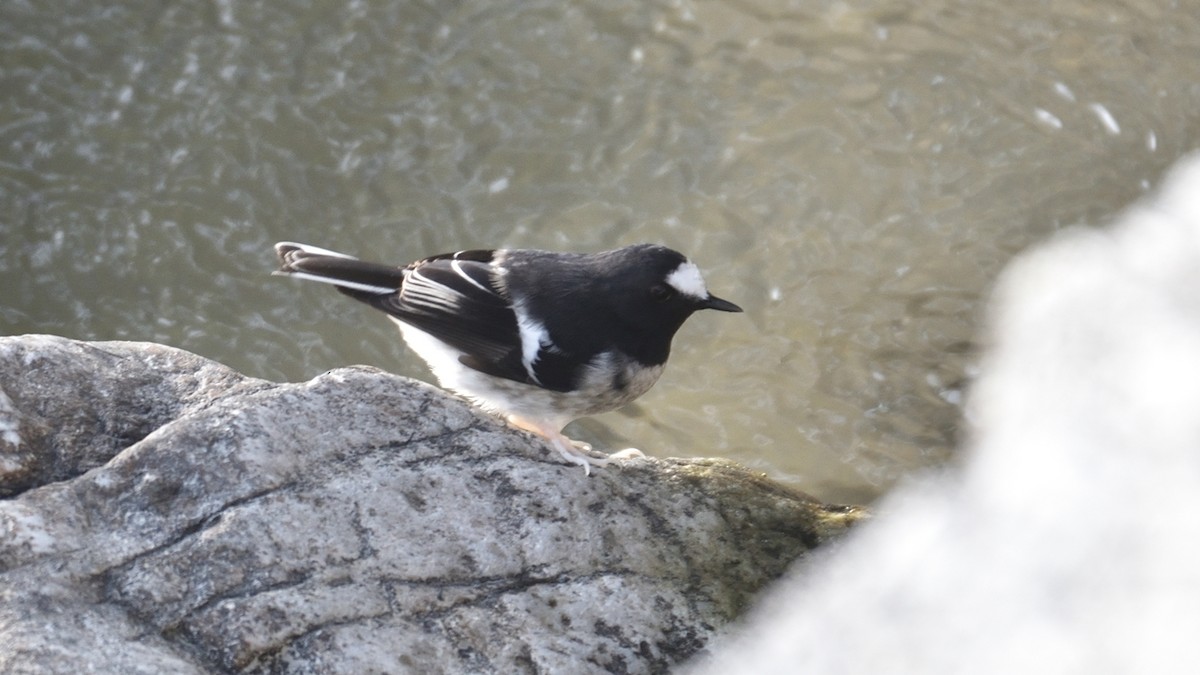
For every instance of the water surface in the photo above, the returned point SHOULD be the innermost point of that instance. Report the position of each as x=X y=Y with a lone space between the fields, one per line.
x=854 y=174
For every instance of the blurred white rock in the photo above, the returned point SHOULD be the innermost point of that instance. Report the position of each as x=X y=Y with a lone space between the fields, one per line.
x=1067 y=540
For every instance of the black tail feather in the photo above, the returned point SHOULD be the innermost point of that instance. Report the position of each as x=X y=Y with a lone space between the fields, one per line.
x=318 y=265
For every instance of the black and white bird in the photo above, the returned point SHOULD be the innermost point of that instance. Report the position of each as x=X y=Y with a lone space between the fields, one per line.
x=539 y=338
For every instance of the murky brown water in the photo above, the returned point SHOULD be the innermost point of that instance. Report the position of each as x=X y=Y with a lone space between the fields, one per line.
x=854 y=174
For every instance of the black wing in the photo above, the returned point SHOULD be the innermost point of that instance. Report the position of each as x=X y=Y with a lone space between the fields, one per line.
x=457 y=299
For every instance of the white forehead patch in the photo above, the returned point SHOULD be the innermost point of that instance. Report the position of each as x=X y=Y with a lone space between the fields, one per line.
x=687 y=280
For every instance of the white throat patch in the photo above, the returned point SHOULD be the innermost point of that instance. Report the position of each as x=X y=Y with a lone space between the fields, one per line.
x=687 y=280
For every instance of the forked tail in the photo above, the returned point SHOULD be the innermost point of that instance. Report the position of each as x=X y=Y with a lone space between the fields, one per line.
x=330 y=267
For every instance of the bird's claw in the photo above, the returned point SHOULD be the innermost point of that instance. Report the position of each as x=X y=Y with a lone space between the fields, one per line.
x=575 y=452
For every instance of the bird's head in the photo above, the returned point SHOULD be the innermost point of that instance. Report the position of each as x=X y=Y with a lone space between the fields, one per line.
x=657 y=288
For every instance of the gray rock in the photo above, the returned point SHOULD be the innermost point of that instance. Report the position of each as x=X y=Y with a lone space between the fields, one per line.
x=188 y=519
x=73 y=405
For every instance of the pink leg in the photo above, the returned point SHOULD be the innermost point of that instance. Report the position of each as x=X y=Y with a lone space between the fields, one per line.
x=575 y=452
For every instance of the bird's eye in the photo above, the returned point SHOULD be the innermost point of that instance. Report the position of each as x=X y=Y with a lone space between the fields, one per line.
x=661 y=293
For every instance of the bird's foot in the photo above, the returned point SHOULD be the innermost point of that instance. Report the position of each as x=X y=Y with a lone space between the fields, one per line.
x=575 y=452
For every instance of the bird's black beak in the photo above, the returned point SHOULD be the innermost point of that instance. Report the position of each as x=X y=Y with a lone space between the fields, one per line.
x=713 y=302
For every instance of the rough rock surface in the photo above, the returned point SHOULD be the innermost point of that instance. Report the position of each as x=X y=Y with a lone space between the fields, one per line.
x=166 y=514
x=66 y=407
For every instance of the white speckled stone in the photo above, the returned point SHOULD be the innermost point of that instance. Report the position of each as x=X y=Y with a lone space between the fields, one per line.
x=173 y=516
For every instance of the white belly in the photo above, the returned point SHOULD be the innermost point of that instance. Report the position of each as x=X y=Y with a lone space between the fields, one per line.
x=595 y=394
